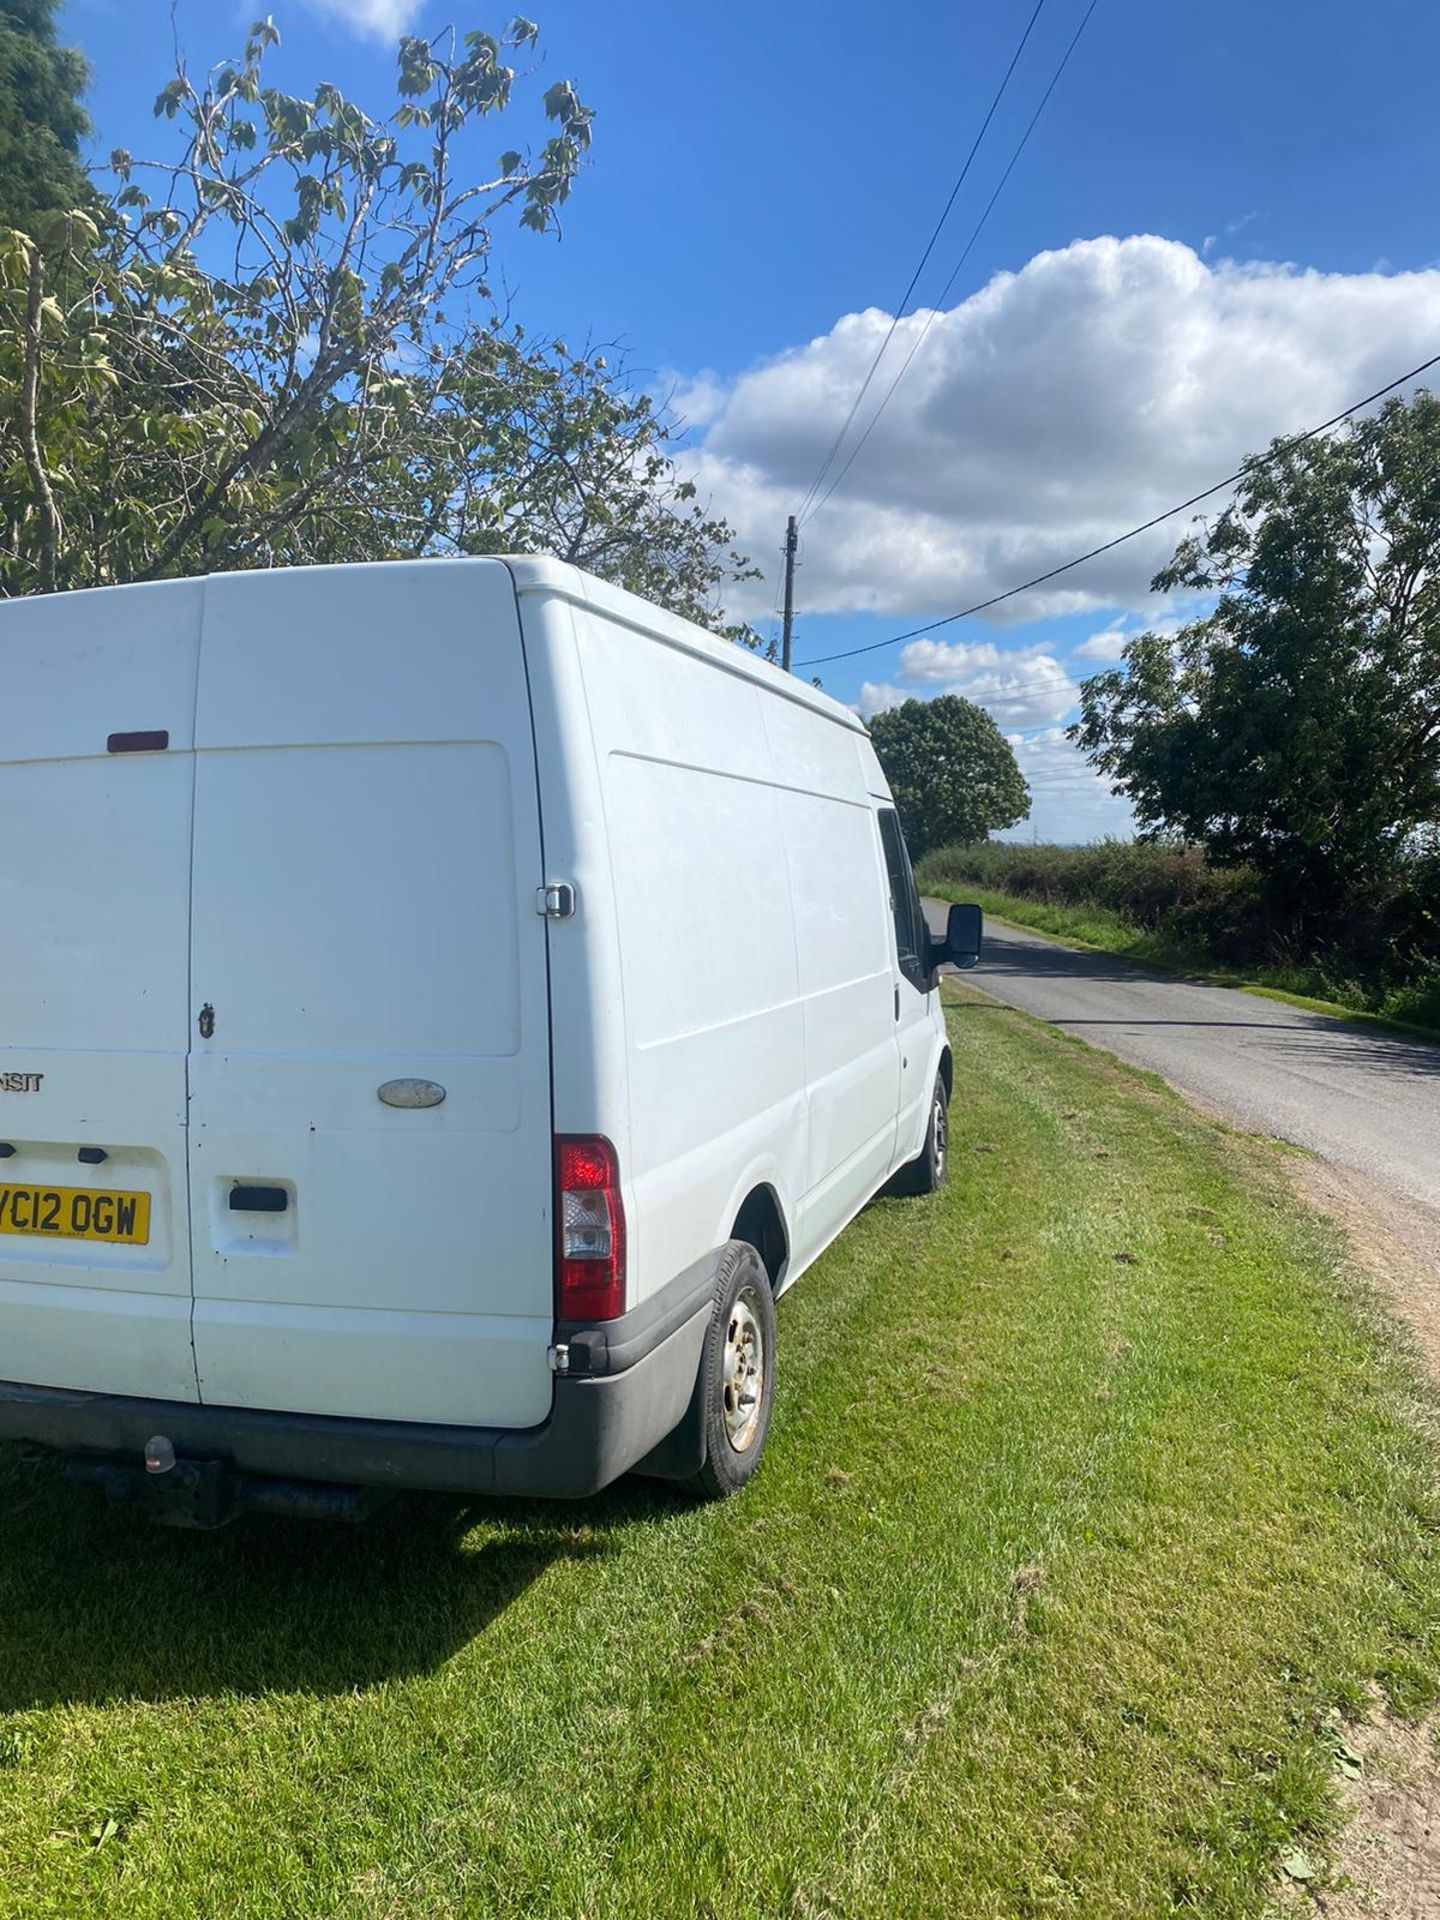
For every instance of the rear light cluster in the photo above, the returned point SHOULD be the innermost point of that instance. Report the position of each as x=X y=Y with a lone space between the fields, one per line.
x=590 y=1229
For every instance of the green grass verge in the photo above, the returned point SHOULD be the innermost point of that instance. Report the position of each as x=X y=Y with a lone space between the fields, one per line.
x=1097 y=1487
x=1105 y=931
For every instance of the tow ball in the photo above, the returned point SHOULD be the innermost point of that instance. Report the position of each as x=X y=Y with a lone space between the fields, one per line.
x=178 y=1491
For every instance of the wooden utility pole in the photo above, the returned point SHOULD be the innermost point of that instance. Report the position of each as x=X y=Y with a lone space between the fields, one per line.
x=791 y=542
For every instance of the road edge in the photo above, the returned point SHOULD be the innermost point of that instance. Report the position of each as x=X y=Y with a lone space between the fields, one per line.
x=1201 y=977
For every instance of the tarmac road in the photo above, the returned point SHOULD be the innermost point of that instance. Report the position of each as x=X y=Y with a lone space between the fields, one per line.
x=1358 y=1096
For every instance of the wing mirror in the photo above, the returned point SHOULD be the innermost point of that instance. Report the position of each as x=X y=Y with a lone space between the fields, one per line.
x=964 y=931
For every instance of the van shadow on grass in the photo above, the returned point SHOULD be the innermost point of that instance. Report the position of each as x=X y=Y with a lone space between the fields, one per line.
x=99 y=1605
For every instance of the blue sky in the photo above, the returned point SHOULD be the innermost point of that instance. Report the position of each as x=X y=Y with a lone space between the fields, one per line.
x=1223 y=229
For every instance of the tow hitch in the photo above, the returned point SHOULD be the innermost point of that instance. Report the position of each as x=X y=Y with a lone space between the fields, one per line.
x=207 y=1493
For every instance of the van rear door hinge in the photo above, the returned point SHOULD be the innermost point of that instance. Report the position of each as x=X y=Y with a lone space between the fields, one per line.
x=555 y=901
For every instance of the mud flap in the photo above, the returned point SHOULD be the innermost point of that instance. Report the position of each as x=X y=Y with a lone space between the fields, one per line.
x=681 y=1454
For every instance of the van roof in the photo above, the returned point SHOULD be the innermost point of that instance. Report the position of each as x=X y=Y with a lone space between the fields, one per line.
x=541 y=573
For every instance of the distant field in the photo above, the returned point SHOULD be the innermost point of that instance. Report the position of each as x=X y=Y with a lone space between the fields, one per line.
x=1098 y=1484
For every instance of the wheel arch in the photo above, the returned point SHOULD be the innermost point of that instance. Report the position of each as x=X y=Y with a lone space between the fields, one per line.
x=760 y=1220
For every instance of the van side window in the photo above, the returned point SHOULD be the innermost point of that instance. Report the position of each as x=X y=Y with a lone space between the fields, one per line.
x=911 y=934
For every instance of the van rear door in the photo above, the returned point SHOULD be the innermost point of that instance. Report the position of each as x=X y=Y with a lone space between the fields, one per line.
x=367 y=855
x=94 y=932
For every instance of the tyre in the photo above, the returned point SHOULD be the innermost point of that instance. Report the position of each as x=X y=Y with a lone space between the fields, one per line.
x=926 y=1173
x=737 y=1373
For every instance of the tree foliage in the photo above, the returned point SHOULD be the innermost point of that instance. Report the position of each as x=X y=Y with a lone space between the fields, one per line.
x=953 y=773
x=1296 y=728
x=279 y=344
x=41 y=120
x=520 y=446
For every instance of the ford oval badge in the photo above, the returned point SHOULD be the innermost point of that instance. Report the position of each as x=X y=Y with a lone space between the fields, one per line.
x=411 y=1093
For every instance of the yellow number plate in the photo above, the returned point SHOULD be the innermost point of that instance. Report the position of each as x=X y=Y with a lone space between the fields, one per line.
x=76 y=1213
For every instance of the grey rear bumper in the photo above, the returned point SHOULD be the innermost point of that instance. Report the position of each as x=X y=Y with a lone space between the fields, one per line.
x=638 y=1386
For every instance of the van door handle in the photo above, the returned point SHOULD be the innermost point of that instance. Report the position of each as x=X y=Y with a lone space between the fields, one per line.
x=259 y=1200
x=897 y=1003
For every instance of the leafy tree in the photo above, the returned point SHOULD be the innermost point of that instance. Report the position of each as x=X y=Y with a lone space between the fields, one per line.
x=278 y=345
x=41 y=120
x=1296 y=728
x=953 y=773
x=519 y=447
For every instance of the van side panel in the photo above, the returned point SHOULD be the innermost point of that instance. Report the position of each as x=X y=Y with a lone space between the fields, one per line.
x=367 y=855
x=715 y=1042
x=751 y=919
x=94 y=915
x=842 y=934
x=846 y=982
x=716 y=1038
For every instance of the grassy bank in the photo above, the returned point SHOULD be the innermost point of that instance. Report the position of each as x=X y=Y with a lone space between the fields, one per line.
x=1374 y=954
x=1089 y=926
x=1097 y=1485
x=1166 y=905
x=1108 y=932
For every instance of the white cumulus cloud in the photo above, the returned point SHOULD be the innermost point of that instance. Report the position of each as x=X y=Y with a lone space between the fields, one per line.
x=1109 y=645
x=375 y=19
x=1069 y=801
x=947 y=662
x=879 y=697
x=1053 y=408
x=1027 y=688
x=1028 y=692
x=693 y=400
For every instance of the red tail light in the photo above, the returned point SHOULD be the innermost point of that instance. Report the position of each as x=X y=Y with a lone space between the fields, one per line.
x=589 y=1229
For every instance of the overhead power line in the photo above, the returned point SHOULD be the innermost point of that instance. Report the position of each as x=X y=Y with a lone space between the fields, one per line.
x=979 y=227
x=1108 y=546
x=904 y=299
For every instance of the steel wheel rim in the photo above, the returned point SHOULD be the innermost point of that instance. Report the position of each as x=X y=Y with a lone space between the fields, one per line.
x=743 y=1378
x=941 y=1125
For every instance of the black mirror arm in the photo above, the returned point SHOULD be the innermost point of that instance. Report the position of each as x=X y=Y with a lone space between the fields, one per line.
x=942 y=954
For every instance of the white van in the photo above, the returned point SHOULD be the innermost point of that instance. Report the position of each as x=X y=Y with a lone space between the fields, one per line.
x=442 y=1004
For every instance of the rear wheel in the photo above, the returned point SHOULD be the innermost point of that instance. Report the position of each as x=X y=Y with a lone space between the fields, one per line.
x=737 y=1373
x=926 y=1174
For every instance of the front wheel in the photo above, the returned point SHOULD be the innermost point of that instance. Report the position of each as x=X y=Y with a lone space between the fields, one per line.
x=926 y=1173
x=737 y=1373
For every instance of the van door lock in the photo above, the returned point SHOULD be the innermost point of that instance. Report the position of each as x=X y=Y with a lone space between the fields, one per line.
x=555 y=901
x=207 y=1021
